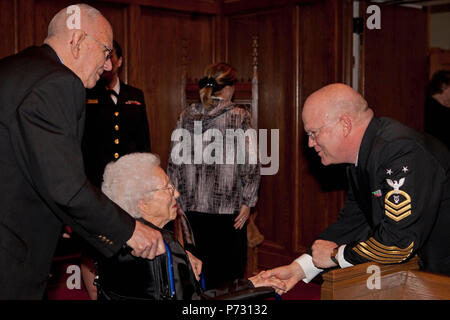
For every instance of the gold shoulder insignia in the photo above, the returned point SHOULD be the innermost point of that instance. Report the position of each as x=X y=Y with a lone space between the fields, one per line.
x=92 y=101
x=397 y=203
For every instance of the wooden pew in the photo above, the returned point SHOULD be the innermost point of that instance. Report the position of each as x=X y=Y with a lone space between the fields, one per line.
x=397 y=282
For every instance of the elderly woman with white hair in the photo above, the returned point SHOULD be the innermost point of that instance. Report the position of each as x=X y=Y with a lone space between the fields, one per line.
x=138 y=185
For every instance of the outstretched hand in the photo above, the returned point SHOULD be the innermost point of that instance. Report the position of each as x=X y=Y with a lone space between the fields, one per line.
x=273 y=282
x=289 y=274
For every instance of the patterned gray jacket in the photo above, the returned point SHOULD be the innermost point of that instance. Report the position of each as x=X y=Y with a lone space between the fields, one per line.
x=213 y=160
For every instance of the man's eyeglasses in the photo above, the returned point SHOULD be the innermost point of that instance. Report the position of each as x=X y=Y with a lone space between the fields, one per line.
x=312 y=134
x=169 y=187
x=108 y=51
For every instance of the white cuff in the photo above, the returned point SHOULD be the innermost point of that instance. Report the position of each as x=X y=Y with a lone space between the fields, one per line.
x=310 y=270
x=340 y=258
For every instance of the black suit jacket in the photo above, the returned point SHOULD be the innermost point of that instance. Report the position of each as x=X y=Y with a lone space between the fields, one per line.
x=42 y=179
x=398 y=203
x=113 y=130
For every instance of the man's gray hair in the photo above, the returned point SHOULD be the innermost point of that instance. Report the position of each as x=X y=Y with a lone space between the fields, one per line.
x=128 y=179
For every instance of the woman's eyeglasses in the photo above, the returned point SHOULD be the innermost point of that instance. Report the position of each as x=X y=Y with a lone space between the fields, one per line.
x=169 y=186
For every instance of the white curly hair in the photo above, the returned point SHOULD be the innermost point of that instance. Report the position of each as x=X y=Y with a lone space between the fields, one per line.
x=126 y=180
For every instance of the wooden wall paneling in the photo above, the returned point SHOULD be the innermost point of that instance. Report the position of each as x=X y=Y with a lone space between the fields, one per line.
x=133 y=43
x=322 y=187
x=43 y=12
x=8 y=27
x=26 y=17
x=116 y=15
x=439 y=59
x=344 y=45
x=236 y=7
x=164 y=34
x=219 y=35
x=297 y=247
x=198 y=6
x=276 y=111
x=395 y=71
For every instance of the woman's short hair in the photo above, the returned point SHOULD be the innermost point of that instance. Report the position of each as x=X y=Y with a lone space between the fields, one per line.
x=126 y=180
x=221 y=74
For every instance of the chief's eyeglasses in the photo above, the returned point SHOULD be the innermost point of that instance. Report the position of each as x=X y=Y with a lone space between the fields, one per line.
x=313 y=134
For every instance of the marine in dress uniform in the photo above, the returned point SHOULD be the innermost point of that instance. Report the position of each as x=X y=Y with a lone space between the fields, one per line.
x=116 y=122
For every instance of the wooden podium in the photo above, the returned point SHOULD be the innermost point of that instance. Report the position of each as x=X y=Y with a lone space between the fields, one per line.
x=396 y=282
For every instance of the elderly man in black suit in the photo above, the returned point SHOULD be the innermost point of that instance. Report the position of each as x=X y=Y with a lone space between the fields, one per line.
x=42 y=179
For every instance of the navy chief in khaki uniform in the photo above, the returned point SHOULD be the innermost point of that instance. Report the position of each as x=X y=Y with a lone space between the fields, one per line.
x=116 y=121
x=398 y=202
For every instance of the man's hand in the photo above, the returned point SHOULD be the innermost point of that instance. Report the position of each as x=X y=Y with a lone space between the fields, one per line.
x=196 y=265
x=321 y=253
x=290 y=274
x=146 y=242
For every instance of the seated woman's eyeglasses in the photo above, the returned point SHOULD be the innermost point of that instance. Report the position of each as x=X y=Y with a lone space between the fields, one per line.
x=169 y=187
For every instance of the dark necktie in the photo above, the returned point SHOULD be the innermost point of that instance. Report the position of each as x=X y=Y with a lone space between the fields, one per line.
x=112 y=92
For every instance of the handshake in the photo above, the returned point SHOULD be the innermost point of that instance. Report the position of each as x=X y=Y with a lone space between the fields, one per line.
x=284 y=278
x=147 y=243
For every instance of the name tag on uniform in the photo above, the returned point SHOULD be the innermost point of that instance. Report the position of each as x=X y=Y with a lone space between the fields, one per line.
x=133 y=102
x=92 y=101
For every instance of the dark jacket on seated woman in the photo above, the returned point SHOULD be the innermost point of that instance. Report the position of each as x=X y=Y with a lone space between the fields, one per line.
x=126 y=277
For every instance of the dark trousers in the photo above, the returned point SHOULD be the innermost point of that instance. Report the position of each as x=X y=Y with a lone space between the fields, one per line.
x=222 y=248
